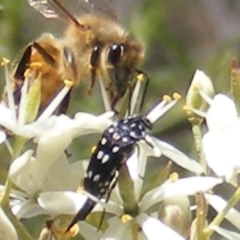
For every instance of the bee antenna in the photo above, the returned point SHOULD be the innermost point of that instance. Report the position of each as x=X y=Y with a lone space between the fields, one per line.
x=69 y=15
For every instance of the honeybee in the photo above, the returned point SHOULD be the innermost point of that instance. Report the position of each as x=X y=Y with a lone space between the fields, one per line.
x=93 y=46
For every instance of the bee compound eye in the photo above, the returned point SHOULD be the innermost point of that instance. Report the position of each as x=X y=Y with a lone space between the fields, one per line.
x=115 y=53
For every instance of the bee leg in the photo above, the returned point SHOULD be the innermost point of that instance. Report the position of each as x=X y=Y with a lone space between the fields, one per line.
x=70 y=61
x=94 y=64
x=113 y=104
x=93 y=80
x=113 y=96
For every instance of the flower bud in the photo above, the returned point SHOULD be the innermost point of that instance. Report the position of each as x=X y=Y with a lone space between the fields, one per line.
x=235 y=81
x=200 y=82
x=175 y=212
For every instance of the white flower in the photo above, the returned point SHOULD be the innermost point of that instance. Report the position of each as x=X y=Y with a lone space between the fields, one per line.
x=151 y=226
x=15 y=119
x=7 y=230
x=35 y=175
x=46 y=125
x=136 y=166
x=220 y=143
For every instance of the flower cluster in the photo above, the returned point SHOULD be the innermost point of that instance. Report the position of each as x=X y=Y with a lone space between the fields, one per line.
x=43 y=180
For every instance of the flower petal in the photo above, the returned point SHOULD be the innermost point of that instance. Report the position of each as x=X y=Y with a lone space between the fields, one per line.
x=115 y=230
x=222 y=152
x=153 y=228
x=61 y=202
x=222 y=113
x=60 y=169
x=27 y=209
x=54 y=141
x=219 y=204
x=179 y=158
x=88 y=231
x=3 y=136
x=153 y=196
x=226 y=233
x=7 y=119
x=191 y=185
x=182 y=187
x=93 y=124
x=20 y=173
x=7 y=230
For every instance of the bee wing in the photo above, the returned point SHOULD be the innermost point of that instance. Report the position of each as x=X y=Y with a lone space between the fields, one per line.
x=103 y=7
x=55 y=9
x=44 y=7
x=67 y=9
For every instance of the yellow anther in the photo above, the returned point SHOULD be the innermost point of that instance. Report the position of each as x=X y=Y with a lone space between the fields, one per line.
x=197 y=87
x=28 y=73
x=79 y=189
x=176 y=96
x=35 y=65
x=140 y=77
x=68 y=82
x=188 y=109
x=167 y=98
x=93 y=149
x=173 y=177
x=126 y=218
x=5 y=61
x=73 y=231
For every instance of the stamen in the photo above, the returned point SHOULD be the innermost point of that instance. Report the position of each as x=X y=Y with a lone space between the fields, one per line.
x=188 y=110
x=9 y=89
x=126 y=218
x=176 y=96
x=174 y=177
x=199 y=113
x=140 y=77
x=167 y=98
x=72 y=232
x=54 y=104
x=206 y=97
x=35 y=65
x=93 y=149
x=135 y=95
x=161 y=109
x=104 y=95
x=5 y=61
x=23 y=103
x=80 y=190
x=68 y=83
x=28 y=73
